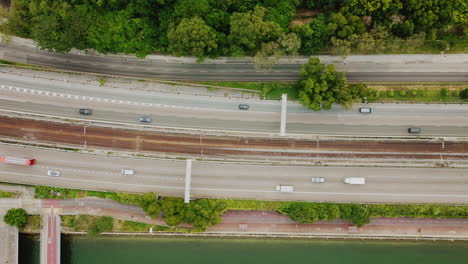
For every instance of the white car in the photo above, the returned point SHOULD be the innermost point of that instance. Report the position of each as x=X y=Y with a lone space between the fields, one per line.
x=53 y=173
x=127 y=172
x=318 y=180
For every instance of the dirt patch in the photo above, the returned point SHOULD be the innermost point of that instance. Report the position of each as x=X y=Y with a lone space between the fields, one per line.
x=300 y=21
x=303 y=16
x=305 y=12
x=5 y=3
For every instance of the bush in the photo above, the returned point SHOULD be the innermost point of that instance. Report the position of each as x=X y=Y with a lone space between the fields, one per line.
x=99 y=225
x=456 y=93
x=16 y=217
x=441 y=45
x=443 y=92
x=402 y=93
x=464 y=93
x=390 y=93
x=414 y=93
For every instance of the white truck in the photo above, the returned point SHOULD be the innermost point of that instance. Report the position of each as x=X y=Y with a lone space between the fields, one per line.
x=285 y=188
x=354 y=180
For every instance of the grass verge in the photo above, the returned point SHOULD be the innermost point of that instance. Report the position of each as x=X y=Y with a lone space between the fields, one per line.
x=7 y=194
x=269 y=90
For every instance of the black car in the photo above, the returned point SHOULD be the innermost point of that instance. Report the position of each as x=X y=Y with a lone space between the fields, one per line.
x=244 y=107
x=86 y=111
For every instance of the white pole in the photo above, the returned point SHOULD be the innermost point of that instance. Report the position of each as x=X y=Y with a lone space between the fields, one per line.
x=188 y=178
x=284 y=100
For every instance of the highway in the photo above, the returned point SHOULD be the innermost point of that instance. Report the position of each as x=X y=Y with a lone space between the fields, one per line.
x=110 y=104
x=359 y=68
x=229 y=180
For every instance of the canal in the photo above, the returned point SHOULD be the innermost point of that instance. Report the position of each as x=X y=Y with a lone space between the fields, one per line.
x=125 y=250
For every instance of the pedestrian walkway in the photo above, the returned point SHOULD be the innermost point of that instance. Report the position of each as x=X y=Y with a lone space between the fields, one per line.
x=271 y=223
x=50 y=237
x=8 y=234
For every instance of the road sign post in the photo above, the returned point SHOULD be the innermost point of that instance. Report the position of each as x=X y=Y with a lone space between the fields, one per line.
x=188 y=178
x=284 y=100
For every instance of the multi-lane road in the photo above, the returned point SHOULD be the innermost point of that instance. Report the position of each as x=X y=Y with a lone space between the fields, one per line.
x=231 y=180
x=27 y=94
x=360 y=68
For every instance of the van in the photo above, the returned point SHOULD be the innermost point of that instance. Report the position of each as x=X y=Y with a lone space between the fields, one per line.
x=366 y=110
x=414 y=130
x=127 y=172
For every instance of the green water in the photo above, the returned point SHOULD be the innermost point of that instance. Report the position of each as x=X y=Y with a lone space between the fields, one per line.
x=124 y=250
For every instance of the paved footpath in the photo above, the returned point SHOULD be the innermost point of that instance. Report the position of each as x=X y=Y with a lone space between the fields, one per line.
x=268 y=222
x=272 y=222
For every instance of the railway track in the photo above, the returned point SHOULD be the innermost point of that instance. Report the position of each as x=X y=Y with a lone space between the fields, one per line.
x=224 y=146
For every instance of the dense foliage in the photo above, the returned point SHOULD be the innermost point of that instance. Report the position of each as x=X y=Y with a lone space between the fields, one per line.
x=16 y=217
x=464 y=94
x=360 y=214
x=321 y=86
x=237 y=27
x=201 y=213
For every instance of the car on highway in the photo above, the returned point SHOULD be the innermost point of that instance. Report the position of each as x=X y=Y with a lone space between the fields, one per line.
x=85 y=111
x=365 y=110
x=317 y=180
x=146 y=119
x=244 y=107
x=53 y=173
x=127 y=172
x=414 y=130
x=285 y=188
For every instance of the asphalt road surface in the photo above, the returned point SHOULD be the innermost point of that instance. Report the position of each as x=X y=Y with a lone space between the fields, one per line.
x=371 y=68
x=49 y=97
x=223 y=180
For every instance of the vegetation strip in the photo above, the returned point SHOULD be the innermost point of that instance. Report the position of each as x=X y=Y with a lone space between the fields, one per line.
x=203 y=213
x=261 y=28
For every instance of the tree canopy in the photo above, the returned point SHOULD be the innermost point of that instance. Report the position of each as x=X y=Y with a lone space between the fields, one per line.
x=235 y=27
x=16 y=217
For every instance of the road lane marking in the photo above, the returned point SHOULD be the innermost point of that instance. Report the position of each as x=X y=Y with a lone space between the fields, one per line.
x=237 y=190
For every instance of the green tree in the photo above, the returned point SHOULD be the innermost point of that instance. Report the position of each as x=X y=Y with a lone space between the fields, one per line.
x=269 y=54
x=191 y=8
x=251 y=30
x=16 y=217
x=313 y=35
x=367 y=7
x=192 y=37
x=320 y=86
x=443 y=92
x=464 y=93
x=173 y=210
x=403 y=30
x=122 y=31
x=281 y=12
x=360 y=215
x=344 y=26
x=203 y=213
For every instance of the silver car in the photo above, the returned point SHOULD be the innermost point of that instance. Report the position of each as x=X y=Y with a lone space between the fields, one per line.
x=53 y=173
x=146 y=119
x=318 y=180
